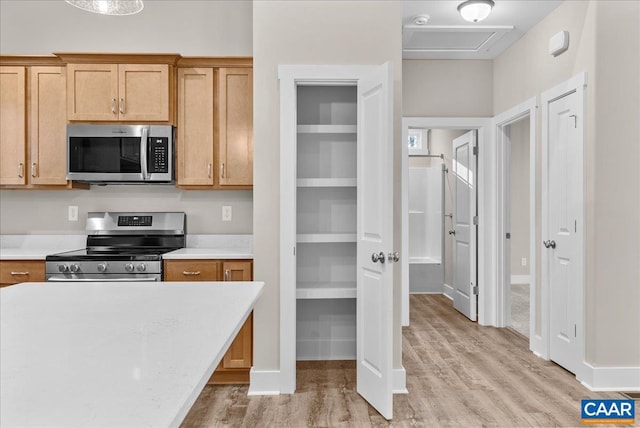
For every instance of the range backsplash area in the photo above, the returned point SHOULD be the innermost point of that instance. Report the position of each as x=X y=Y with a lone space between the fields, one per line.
x=46 y=211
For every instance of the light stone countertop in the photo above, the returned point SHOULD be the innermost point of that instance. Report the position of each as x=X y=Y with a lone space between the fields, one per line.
x=37 y=247
x=113 y=355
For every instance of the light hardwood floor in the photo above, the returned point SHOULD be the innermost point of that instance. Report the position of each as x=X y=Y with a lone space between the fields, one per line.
x=459 y=374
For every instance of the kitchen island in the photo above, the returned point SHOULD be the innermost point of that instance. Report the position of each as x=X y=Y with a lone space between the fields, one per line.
x=113 y=354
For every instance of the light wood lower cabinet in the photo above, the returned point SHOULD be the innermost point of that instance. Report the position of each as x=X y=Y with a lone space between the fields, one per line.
x=237 y=362
x=17 y=271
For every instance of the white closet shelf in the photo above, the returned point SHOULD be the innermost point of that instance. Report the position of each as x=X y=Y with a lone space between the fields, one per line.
x=327 y=129
x=327 y=182
x=326 y=290
x=325 y=237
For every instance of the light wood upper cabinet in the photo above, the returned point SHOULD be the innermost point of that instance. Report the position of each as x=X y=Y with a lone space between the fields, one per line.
x=235 y=124
x=47 y=126
x=118 y=92
x=33 y=127
x=215 y=127
x=13 y=142
x=194 y=150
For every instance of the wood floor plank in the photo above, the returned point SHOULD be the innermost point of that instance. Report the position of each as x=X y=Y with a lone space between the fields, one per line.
x=459 y=374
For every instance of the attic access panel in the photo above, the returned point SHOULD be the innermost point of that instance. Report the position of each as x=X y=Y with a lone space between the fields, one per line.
x=446 y=40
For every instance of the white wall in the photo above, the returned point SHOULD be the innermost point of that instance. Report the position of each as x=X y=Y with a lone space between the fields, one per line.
x=187 y=27
x=519 y=195
x=190 y=28
x=447 y=88
x=605 y=42
x=307 y=32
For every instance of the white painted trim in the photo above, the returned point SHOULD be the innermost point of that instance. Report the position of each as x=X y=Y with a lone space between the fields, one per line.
x=404 y=229
x=525 y=109
x=621 y=379
x=264 y=382
x=520 y=279
x=399 y=381
x=486 y=205
x=576 y=84
x=447 y=290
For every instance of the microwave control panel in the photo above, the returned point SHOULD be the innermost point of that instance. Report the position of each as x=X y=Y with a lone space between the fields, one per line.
x=158 y=154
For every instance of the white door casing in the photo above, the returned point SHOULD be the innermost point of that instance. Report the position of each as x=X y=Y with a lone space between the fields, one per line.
x=374 y=323
x=374 y=320
x=464 y=248
x=562 y=250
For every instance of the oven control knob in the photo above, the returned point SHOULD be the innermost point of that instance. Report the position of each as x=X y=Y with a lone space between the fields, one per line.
x=102 y=267
x=63 y=268
x=141 y=267
x=128 y=267
x=74 y=268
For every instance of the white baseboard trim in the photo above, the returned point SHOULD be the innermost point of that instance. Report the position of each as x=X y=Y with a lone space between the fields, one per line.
x=520 y=279
x=425 y=292
x=623 y=379
x=447 y=290
x=399 y=381
x=264 y=382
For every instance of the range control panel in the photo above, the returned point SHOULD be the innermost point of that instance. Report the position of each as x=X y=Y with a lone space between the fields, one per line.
x=135 y=220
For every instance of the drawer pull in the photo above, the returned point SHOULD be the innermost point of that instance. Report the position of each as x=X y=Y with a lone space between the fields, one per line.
x=191 y=273
x=226 y=275
x=20 y=273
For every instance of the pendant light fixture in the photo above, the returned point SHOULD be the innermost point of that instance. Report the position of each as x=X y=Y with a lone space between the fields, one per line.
x=475 y=10
x=109 y=7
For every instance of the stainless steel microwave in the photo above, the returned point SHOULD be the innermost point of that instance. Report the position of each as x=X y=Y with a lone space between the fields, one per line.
x=120 y=153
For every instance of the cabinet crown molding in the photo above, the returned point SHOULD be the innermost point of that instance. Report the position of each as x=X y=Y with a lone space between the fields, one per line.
x=116 y=58
x=28 y=60
x=202 y=61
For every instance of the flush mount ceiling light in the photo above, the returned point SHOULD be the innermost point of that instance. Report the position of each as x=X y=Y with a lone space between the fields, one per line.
x=475 y=10
x=109 y=7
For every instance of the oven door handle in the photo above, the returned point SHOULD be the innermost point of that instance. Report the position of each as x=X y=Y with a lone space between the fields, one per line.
x=143 y=152
x=58 y=279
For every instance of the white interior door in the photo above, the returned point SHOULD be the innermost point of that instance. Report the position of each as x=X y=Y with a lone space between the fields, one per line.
x=561 y=207
x=464 y=248
x=375 y=240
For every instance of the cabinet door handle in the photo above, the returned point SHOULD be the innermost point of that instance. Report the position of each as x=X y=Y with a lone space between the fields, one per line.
x=34 y=169
x=113 y=105
x=227 y=275
x=20 y=170
x=121 y=105
x=209 y=168
x=222 y=170
x=194 y=273
x=20 y=273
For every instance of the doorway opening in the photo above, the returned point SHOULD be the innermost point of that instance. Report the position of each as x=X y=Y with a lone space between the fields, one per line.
x=429 y=177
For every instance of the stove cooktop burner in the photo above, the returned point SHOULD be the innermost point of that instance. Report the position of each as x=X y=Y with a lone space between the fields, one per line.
x=132 y=254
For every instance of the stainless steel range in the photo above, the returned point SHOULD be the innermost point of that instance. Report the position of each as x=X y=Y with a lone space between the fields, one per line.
x=121 y=246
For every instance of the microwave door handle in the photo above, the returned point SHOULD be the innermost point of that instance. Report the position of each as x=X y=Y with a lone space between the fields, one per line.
x=143 y=152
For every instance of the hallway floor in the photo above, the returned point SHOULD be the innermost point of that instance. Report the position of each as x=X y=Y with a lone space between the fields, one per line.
x=459 y=374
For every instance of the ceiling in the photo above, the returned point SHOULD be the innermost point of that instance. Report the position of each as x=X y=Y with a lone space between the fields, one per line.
x=447 y=36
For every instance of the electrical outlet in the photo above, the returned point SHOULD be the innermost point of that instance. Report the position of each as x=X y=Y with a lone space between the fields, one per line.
x=523 y=262
x=73 y=213
x=226 y=213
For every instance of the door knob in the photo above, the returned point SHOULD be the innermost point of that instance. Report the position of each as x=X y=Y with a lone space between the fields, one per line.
x=549 y=244
x=393 y=257
x=378 y=257
x=452 y=232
